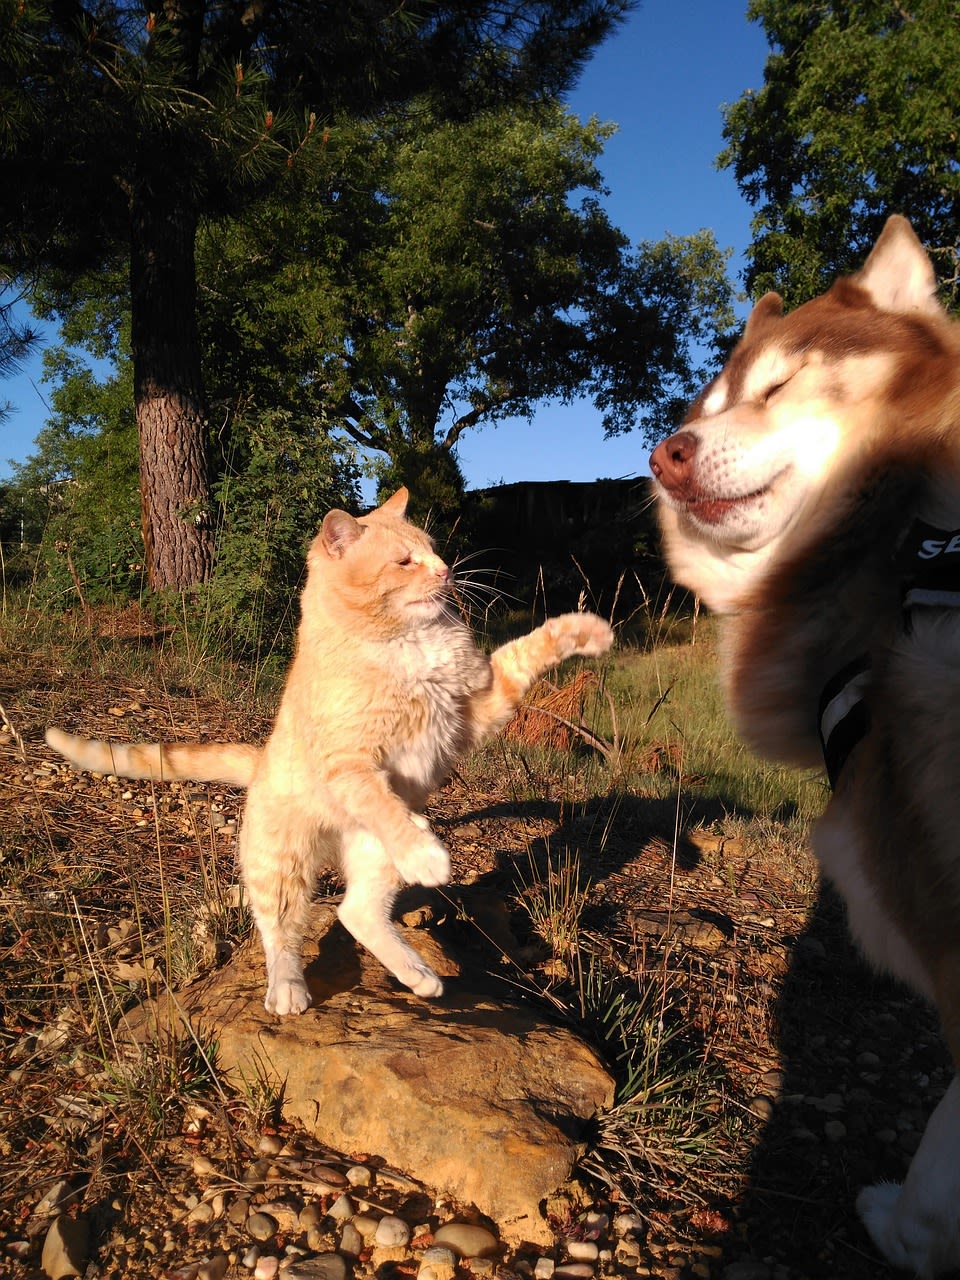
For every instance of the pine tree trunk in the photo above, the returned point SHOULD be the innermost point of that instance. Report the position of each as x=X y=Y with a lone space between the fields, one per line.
x=168 y=387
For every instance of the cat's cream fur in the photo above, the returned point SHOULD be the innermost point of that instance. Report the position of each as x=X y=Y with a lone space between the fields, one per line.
x=386 y=690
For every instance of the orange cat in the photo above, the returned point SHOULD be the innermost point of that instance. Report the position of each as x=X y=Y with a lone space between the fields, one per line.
x=386 y=690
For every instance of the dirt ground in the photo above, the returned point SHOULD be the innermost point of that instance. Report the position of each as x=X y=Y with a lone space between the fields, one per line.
x=825 y=1073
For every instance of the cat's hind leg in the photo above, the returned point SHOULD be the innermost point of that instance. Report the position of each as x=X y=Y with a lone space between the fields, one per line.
x=372 y=886
x=278 y=854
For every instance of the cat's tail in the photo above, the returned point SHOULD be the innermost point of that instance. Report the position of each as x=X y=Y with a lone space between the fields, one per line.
x=232 y=763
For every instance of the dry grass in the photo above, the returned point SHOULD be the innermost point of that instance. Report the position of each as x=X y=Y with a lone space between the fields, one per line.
x=659 y=891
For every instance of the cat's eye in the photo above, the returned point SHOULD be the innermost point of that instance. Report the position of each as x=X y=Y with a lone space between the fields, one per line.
x=405 y=562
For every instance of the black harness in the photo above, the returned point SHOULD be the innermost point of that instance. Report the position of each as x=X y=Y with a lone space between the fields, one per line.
x=927 y=563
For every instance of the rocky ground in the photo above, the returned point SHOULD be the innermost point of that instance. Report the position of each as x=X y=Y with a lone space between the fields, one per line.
x=818 y=1075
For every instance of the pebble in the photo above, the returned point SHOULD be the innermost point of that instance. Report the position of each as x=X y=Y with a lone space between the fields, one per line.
x=351 y=1241
x=269 y=1144
x=342 y=1209
x=365 y=1223
x=311 y=1215
x=438 y=1255
x=573 y=1270
x=251 y=1257
x=65 y=1248
x=214 y=1268
x=582 y=1250
x=392 y=1233
x=746 y=1269
x=625 y=1224
x=835 y=1130
x=56 y=1199
x=761 y=1107
x=543 y=1268
x=359 y=1175
x=266 y=1267
x=466 y=1240
x=326 y=1266
x=261 y=1226
x=200 y=1214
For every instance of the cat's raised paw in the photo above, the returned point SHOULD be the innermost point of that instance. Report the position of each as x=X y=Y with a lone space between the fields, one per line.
x=582 y=633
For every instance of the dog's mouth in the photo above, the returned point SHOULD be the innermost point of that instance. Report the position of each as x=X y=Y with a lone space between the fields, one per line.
x=710 y=508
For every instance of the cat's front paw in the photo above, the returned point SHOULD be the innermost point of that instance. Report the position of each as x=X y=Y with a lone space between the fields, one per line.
x=425 y=861
x=925 y=1244
x=425 y=983
x=582 y=633
x=286 y=996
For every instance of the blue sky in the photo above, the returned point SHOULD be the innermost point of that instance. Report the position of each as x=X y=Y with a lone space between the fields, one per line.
x=662 y=79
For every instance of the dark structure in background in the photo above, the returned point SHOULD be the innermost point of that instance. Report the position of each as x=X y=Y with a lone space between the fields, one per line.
x=550 y=541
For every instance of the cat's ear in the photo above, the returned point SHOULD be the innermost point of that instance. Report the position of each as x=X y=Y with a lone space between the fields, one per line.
x=338 y=532
x=395 y=505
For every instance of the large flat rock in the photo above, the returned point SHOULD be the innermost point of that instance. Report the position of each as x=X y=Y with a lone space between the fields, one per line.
x=479 y=1098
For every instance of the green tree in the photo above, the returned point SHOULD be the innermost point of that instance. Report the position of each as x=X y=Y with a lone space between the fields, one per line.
x=857 y=118
x=445 y=275
x=126 y=128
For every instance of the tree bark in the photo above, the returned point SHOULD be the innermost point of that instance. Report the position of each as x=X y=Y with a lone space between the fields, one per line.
x=168 y=385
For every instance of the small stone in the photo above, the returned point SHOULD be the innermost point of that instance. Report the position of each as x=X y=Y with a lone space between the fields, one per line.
x=746 y=1269
x=266 y=1268
x=628 y=1252
x=482 y=1266
x=597 y=1224
x=835 y=1130
x=351 y=1241
x=626 y=1224
x=237 y=1213
x=251 y=1257
x=392 y=1233
x=56 y=1198
x=543 y=1268
x=286 y=1216
x=269 y=1144
x=311 y=1215
x=438 y=1255
x=65 y=1248
x=573 y=1271
x=200 y=1214
x=330 y=1179
x=366 y=1224
x=761 y=1107
x=214 y=1268
x=256 y=1172
x=203 y=1167
x=582 y=1250
x=261 y=1226
x=359 y=1175
x=326 y=1266
x=342 y=1209
x=466 y=1240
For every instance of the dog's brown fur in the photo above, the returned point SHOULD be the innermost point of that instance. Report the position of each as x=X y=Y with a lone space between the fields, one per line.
x=784 y=498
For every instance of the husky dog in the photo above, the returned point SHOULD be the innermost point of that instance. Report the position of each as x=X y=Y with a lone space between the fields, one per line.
x=812 y=497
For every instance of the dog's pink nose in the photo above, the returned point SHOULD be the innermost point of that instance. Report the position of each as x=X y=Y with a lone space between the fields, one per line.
x=671 y=461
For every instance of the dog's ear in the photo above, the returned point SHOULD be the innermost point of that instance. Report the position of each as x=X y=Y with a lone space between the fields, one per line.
x=898 y=275
x=770 y=307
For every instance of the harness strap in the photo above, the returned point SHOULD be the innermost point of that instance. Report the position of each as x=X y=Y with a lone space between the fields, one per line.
x=927 y=563
x=843 y=715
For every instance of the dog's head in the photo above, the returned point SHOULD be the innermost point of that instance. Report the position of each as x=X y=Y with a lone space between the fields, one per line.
x=790 y=422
